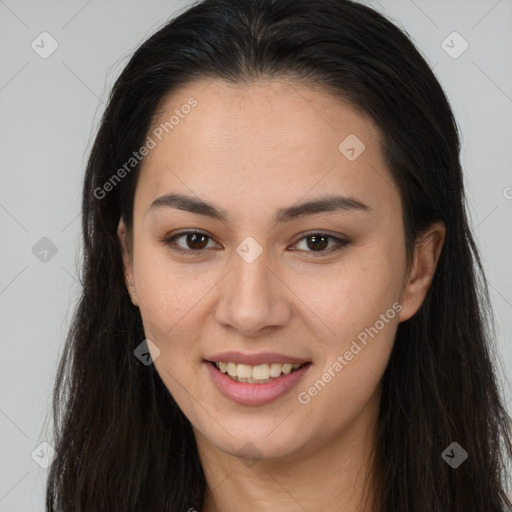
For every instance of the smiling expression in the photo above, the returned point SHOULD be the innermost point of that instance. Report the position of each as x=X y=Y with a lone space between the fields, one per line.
x=266 y=272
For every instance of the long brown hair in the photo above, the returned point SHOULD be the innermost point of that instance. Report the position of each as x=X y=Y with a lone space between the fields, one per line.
x=122 y=442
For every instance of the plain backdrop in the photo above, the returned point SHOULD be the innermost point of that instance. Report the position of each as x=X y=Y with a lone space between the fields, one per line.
x=50 y=108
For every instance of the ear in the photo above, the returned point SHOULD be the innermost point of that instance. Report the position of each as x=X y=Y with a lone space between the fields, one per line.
x=426 y=255
x=126 y=249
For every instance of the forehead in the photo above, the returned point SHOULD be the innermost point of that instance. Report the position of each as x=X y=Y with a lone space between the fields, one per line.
x=272 y=136
x=275 y=112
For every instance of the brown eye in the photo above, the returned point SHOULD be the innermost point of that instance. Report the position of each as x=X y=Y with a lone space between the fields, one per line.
x=194 y=241
x=318 y=243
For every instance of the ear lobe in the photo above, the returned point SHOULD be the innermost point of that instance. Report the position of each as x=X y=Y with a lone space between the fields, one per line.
x=426 y=256
x=125 y=241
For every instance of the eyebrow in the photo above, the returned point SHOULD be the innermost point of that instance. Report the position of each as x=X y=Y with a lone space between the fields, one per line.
x=320 y=205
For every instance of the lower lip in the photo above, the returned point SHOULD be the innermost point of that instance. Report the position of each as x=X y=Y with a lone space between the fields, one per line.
x=255 y=394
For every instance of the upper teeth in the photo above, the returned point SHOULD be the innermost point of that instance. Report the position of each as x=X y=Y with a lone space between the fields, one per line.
x=260 y=372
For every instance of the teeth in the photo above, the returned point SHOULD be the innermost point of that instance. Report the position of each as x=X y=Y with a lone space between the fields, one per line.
x=231 y=369
x=261 y=373
x=275 y=369
x=244 y=371
x=287 y=368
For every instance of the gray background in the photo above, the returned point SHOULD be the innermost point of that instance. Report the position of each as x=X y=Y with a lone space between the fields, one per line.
x=50 y=109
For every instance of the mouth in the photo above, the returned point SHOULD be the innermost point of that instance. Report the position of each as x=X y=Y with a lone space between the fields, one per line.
x=255 y=385
x=259 y=374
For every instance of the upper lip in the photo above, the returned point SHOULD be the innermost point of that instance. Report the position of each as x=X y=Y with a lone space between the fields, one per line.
x=254 y=359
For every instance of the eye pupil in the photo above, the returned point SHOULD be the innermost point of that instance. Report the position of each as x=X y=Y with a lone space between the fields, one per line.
x=316 y=244
x=193 y=237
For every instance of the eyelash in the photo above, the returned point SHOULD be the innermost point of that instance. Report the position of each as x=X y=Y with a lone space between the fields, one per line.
x=168 y=241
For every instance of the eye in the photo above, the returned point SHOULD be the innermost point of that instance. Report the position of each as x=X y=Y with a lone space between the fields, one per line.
x=197 y=241
x=320 y=242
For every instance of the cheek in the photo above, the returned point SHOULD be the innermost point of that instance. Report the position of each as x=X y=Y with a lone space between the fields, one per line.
x=173 y=299
x=352 y=363
x=352 y=294
x=163 y=291
x=359 y=305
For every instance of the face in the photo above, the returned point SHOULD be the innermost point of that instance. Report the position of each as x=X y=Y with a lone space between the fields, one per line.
x=266 y=279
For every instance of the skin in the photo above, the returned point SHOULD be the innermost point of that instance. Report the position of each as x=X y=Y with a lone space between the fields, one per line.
x=276 y=140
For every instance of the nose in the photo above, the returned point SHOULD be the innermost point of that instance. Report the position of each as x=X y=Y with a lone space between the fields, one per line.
x=253 y=298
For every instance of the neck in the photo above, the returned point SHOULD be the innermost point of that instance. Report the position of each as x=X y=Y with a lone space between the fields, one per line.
x=334 y=475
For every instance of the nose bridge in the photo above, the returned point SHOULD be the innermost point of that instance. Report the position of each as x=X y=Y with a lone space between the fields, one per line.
x=252 y=296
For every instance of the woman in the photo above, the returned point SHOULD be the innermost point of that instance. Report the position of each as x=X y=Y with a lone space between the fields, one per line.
x=283 y=305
